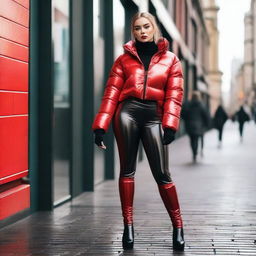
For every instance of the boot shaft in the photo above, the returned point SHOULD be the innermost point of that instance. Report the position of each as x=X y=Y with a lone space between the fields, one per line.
x=126 y=192
x=170 y=198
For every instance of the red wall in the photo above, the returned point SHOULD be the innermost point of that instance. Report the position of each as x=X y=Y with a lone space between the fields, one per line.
x=14 y=56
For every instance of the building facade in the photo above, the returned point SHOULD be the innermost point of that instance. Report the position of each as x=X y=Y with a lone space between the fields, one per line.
x=214 y=75
x=248 y=56
x=70 y=47
x=253 y=13
x=237 y=85
x=243 y=83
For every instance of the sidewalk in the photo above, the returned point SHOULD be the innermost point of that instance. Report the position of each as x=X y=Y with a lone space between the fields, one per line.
x=217 y=197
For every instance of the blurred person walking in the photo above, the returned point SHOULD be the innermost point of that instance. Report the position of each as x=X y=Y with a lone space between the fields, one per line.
x=143 y=97
x=219 y=119
x=196 y=119
x=241 y=116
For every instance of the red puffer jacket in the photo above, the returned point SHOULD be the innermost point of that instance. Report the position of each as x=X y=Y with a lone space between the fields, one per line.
x=163 y=82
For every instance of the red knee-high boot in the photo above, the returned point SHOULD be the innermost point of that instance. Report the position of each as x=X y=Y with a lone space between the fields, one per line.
x=170 y=199
x=126 y=191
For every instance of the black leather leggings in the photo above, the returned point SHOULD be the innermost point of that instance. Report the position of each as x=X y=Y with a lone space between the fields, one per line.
x=137 y=120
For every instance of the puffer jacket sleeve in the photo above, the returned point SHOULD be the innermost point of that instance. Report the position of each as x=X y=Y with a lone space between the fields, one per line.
x=110 y=98
x=173 y=96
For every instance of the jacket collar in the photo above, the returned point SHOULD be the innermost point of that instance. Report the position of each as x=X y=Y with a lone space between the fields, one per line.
x=162 y=45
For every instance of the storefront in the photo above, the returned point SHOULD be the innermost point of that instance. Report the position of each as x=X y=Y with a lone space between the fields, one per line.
x=68 y=48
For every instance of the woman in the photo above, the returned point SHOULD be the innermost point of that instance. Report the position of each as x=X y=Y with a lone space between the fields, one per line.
x=143 y=96
x=242 y=116
x=219 y=119
x=196 y=120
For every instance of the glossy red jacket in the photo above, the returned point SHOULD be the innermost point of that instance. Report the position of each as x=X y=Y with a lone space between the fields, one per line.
x=163 y=82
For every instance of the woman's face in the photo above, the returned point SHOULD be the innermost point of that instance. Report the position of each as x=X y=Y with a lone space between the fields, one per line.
x=143 y=30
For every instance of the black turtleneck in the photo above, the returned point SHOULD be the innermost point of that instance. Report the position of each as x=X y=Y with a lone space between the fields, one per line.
x=146 y=51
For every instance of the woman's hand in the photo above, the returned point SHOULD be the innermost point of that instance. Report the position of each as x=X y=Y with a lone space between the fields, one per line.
x=98 y=139
x=169 y=136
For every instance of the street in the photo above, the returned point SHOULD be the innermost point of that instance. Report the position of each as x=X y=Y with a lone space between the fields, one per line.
x=217 y=198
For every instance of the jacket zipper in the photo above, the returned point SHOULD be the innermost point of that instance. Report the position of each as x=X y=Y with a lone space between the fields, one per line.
x=145 y=74
x=146 y=77
x=145 y=83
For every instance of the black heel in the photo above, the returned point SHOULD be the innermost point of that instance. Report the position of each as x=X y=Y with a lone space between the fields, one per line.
x=128 y=237
x=178 y=239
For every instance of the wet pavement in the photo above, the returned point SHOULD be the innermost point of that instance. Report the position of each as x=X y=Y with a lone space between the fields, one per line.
x=217 y=197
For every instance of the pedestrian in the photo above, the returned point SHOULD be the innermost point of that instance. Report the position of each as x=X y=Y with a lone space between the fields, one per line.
x=219 y=119
x=143 y=96
x=241 y=116
x=196 y=119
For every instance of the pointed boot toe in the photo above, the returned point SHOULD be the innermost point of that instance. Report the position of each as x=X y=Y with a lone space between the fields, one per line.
x=128 y=237
x=178 y=239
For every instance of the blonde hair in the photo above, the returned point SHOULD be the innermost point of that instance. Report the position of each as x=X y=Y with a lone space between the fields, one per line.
x=151 y=19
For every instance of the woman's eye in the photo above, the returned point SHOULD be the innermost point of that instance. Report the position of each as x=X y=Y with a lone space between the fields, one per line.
x=146 y=27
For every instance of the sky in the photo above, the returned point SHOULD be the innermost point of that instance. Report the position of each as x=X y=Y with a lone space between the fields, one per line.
x=231 y=35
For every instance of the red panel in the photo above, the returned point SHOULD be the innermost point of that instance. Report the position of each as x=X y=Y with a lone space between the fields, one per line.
x=12 y=103
x=14 y=12
x=14 y=57
x=13 y=75
x=13 y=50
x=24 y=3
x=14 y=145
x=13 y=177
x=14 y=32
x=14 y=200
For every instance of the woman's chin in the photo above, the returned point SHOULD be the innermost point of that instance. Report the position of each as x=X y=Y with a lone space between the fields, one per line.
x=145 y=40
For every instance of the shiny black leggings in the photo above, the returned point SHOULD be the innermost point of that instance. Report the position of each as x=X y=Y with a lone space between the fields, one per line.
x=137 y=120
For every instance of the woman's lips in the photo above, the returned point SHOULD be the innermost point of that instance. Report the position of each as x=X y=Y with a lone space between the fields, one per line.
x=144 y=37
